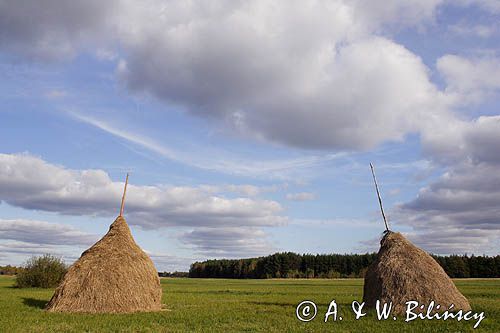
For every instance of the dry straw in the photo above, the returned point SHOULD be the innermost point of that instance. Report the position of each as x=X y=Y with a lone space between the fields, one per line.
x=113 y=276
x=402 y=272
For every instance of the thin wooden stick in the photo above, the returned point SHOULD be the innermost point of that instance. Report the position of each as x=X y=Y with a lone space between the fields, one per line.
x=123 y=197
x=379 y=199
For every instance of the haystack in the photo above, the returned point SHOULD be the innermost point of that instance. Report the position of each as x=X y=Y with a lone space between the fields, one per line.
x=402 y=272
x=114 y=275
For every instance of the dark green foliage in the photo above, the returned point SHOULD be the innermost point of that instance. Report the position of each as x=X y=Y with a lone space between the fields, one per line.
x=41 y=272
x=292 y=265
x=285 y=265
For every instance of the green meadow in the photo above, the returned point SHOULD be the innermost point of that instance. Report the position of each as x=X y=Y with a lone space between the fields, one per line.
x=219 y=305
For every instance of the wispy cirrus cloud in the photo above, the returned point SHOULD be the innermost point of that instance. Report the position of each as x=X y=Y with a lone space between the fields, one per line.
x=225 y=163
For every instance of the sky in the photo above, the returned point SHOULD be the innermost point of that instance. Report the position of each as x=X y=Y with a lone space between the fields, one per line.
x=248 y=127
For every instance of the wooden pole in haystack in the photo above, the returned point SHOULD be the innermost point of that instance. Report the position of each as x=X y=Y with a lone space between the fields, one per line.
x=379 y=199
x=123 y=197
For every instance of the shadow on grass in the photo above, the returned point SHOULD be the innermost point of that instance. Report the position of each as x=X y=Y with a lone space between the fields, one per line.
x=34 y=303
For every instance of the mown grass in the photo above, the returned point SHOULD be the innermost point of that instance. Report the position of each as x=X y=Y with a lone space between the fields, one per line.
x=213 y=305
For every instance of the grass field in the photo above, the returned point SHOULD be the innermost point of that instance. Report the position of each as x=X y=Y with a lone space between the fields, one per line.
x=210 y=305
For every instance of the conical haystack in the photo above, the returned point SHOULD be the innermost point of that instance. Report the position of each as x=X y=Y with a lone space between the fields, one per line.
x=114 y=275
x=402 y=272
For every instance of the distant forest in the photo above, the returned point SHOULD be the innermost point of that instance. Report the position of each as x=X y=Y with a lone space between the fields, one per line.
x=292 y=265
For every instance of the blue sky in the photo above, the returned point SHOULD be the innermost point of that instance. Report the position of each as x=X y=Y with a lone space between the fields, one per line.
x=248 y=127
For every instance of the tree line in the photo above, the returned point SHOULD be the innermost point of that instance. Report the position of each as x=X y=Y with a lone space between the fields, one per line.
x=292 y=265
x=175 y=274
x=10 y=270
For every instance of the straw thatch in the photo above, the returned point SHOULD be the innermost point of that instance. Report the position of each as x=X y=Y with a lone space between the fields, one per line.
x=114 y=275
x=402 y=272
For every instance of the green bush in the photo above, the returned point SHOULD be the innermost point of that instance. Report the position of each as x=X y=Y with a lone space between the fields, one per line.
x=42 y=272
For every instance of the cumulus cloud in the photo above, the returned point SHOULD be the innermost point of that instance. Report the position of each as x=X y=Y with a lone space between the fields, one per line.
x=314 y=78
x=459 y=212
x=20 y=239
x=470 y=80
x=24 y=249
x=457 y=241
x=471 y=190
x=51 y=29
x=319 y=75
x=312 y=75
x=302 y=196
x=229 y=242
x=92 y=192
x=223 y=227
x=458 y=141
x=41 y=232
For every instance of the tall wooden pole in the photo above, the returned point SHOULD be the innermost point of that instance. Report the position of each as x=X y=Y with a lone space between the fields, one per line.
x=123 y=197
x=379 y=199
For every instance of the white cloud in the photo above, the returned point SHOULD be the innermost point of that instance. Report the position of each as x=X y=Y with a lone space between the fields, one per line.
x=25 y=249
x=309 y=75
x=302 y=196
x=458 y=213
x=51 y=30
x=218 y=226
x=334 y=93
x=229 y=242
x=448 y=240
x=470 y=80
x=313 y=75
x=41 y=232
x=25 y=182
x=20 y=239
x=465 y=188
x=458 y=141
